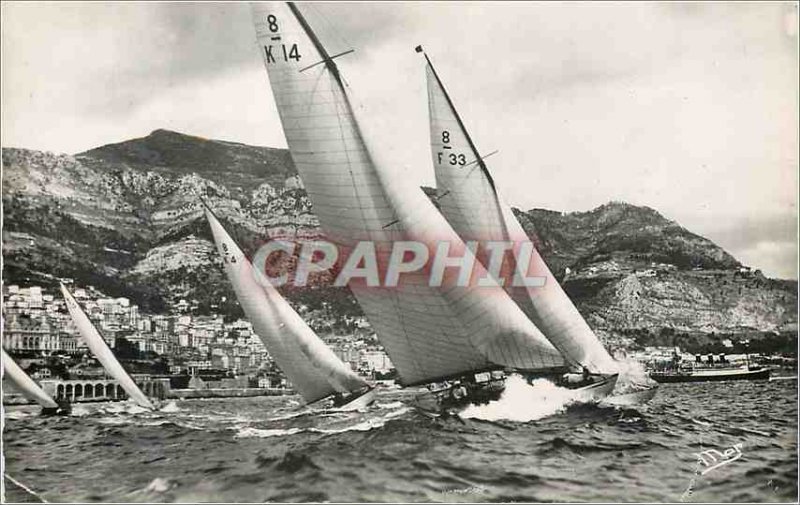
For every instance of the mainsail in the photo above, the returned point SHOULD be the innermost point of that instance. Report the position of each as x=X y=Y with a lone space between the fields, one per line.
x=102 y=352
x=311 y=366
x=470 y=202
x=429 y=332
x=25 y=384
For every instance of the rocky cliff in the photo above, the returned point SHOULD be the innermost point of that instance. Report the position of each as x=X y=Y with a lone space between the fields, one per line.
x=126 y=217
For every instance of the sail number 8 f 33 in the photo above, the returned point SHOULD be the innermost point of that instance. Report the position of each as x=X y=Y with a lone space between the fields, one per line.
x=288 y=53
x=451 y=158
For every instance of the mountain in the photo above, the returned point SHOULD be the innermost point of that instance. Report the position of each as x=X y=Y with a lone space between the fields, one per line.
x=630 y=271
x=126 y=218
x=238 y=167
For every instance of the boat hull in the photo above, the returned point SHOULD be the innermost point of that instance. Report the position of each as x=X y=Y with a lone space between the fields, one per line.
x=596 y=391
x=441 y=403
x=716 y=376
x=360 y=402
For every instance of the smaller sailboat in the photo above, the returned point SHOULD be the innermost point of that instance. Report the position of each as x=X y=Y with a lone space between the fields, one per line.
x=30 y=389
x=312 y=367
x=103 y=353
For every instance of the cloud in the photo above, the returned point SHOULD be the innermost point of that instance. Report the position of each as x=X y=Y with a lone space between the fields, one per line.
x=768 y=242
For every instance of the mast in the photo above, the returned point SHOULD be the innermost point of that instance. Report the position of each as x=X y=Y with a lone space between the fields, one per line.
x=25 y=384
x=472 y=204
x=102 y=352
x=360 y=195
x=312 y=367
x=317 y=44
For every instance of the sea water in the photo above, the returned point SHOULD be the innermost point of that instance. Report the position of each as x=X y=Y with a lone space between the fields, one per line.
x=534 y=444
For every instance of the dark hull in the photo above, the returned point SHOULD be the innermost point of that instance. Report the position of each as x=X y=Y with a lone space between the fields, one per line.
x=733 y=375
x=442 y=404
x=355 y=401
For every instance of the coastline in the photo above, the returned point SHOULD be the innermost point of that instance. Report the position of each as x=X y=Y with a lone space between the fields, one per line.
x=10 y=399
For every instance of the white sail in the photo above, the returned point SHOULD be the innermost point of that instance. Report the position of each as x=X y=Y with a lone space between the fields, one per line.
x=429 y=332
x=311 y=366
x=470 y=202
x=25 y=384
x=102 y=352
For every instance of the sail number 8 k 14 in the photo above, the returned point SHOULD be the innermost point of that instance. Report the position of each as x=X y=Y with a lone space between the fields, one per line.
x=290 y=53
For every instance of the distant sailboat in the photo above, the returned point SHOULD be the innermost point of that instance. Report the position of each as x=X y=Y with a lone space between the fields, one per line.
x=102 y=352
x=470 y=202
x=430 y=333
x=28 y=387
x=312 y=367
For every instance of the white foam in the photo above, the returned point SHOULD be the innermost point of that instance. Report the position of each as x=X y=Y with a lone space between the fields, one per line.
x=17 y=414
x=398 y=412
x=257 y=433
x=170 y=407
x=369 y=424
x=160 y=485
x=523 y=402
x=293 y=415
x=114 y=421
x=389 y=405
x=79 y=411
x=127 y=407
x=632 y=377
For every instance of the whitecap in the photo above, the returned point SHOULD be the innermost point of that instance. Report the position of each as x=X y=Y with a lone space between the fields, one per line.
x=369 y=424
x=523 y=402
x=17 y=414
x=170 y=407
x=632 y=377
x=79 y=411
x=255 y=432
x=160 y=485
x=701 y=423
x=389 y=405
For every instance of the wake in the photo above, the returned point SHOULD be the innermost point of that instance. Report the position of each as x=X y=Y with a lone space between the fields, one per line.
x=522 y=402
x=632 y=377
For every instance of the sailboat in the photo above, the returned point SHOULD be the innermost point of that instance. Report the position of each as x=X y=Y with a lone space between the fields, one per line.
x=464 y=336
x=312 y=367
x=30 y=389
x=470 y=201
x=102 y=352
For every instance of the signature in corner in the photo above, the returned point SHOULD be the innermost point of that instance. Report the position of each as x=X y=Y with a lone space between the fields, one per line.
x=713 y=459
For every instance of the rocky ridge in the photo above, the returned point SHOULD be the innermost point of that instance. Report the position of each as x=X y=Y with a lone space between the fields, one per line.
x=127 y=218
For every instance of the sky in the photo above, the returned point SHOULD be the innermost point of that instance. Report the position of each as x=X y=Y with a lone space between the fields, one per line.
x=688 y=108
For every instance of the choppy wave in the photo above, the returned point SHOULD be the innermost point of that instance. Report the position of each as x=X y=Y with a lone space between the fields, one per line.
x=79 y=411
x=249 y=450
x=170 y=408
x=16 y=415
x=389 y=405
x=249 y=432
